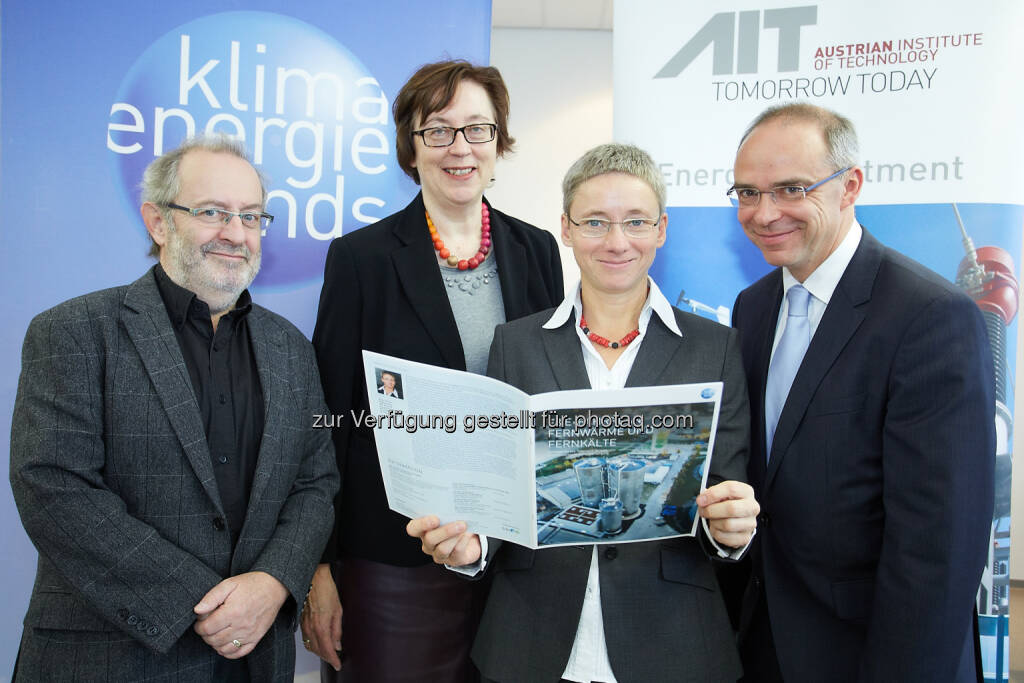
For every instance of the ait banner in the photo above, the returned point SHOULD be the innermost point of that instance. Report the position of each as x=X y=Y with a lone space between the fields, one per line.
x=90 y=93
x=940 y=133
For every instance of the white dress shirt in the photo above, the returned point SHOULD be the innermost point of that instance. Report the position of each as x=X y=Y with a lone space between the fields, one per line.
x=588 y=660
x=821 y=283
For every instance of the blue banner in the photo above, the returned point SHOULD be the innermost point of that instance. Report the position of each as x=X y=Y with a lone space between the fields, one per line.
x=92 y=93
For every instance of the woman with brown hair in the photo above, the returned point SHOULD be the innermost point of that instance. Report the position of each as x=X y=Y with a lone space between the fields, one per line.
x=429 y=284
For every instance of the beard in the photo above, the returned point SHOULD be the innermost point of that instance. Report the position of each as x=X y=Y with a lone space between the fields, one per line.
x=214 y=281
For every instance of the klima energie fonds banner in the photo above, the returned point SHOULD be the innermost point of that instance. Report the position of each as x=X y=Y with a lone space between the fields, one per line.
x=91 y=93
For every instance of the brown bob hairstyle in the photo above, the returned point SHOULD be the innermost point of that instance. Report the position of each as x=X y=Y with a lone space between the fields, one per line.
x=431 y=89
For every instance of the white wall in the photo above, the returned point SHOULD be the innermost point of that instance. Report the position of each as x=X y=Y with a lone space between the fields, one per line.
x=560 y=83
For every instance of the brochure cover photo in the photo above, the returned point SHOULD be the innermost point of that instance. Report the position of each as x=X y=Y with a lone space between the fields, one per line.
x=621 y=474
x=559 y=468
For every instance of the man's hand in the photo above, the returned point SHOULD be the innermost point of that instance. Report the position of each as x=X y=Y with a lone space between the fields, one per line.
x=321 y=618
x=240 y=608
x=731 y=512
x=448 y=544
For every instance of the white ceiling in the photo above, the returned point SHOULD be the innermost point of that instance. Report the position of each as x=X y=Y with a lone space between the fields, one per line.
x=578 y=14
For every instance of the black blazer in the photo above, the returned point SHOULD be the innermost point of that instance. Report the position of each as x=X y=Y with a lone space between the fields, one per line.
x=664 y=619
x=877 y=500
x=383 y=292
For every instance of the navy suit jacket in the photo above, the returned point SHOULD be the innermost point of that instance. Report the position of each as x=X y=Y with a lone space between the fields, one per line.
x=877 y=499
x=664 y=619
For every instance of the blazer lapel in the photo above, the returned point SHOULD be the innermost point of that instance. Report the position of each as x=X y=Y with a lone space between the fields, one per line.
x=842 y=318
x=271 y=360
x=150 y=331
x=565 y=356
x=417 y=270
x=656 y=351
x=762 y=334
x=512 y=269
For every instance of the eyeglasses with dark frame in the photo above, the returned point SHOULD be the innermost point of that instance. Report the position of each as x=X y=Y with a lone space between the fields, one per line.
x=444 y=136
x=211 y=215
x=633 y=227
x=749 y=197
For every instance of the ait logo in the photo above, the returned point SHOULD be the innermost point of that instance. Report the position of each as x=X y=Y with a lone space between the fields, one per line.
x=735 y=38
x=313 y=118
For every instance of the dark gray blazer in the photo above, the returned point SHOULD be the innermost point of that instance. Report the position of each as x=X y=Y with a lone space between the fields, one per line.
x=664 y=618
x=112 y=476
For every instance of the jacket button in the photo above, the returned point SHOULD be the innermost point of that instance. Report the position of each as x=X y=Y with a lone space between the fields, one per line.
x=142 y=625
x=122 y=613
x=153 y=631
x=132 y=619
x=611 y=552
x=218 y=523
x=763 y=521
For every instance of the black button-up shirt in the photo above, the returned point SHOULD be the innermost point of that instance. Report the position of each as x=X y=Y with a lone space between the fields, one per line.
x=226 y=383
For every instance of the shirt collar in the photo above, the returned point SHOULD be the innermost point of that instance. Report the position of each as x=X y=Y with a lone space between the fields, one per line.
x=656 y=303
x=825 y=278
x=180 y=302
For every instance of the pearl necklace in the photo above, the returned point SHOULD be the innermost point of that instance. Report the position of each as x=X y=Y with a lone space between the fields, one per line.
x=481 y=254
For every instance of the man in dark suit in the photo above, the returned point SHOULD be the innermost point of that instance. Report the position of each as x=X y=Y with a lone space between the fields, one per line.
x=163 y=457
x=871 y=394
x=644 y=612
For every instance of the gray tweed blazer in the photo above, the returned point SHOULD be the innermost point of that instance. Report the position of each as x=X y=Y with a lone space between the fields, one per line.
x=112 y=476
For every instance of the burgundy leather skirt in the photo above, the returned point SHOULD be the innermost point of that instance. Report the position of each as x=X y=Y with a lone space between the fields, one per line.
x=405 y=624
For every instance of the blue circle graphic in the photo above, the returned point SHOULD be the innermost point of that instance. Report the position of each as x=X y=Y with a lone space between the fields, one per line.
x=314 y=120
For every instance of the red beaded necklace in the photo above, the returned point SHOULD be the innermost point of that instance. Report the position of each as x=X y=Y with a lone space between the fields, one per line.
x=598 y=339
x=481 y=254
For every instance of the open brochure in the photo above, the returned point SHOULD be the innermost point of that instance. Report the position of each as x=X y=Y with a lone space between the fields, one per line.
x=560 y=468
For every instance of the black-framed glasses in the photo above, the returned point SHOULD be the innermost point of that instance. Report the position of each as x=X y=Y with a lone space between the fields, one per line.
x=211 y=215
x=633 y=227
x=749 y=197
x=443 y=136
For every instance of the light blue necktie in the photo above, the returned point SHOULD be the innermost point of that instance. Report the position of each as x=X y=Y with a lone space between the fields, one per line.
x=786 y=361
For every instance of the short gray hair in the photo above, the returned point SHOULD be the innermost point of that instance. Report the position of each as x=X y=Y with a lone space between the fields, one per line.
x=841 y=147
x=613 y=158
x=161 y=182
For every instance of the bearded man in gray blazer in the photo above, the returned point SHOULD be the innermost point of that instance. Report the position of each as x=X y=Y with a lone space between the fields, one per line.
x=163 y=458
